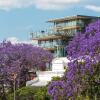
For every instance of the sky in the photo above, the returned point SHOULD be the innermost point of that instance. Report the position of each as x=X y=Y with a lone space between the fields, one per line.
x=20 y=17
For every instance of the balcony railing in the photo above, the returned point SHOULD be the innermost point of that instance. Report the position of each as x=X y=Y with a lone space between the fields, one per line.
x=41 y=35
x=57 y=31
x=50 y=44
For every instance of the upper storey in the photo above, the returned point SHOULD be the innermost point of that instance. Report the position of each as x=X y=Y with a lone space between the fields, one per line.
x=60 y=20
x=76 y=23
x=64 y=26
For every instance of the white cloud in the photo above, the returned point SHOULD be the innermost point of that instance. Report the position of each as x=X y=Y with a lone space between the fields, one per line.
x=9 y=4
x=15 y=40
x=93 y=8
x=47 y=4
x=40 y=4
x=54 y=4
x=12 y=39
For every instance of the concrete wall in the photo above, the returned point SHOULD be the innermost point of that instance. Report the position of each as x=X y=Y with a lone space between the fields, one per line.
x=47 y=75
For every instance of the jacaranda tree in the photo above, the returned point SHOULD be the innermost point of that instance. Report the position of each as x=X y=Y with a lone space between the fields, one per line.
x=82 y=78
x=16 y=60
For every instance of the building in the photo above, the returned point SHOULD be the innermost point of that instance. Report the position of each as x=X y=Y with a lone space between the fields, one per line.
x=62 y=30
x=54 y=40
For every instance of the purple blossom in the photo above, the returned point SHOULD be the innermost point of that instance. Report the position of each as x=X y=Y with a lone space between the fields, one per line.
x=19 y=59
x=83 y=73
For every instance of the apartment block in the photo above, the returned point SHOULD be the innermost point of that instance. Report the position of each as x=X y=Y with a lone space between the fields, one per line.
x=62 y=30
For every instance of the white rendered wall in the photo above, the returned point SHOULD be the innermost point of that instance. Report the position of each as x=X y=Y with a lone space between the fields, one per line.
x=59 y=63
x=47 y=75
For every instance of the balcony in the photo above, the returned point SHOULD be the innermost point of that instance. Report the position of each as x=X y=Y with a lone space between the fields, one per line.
x=45 y=36
x=42 y=34
x=66 y=28
x=51 y=46
x=56 y=32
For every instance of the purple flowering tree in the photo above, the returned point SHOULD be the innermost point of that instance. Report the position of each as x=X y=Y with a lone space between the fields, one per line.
x=82 y=78
x=16 y=60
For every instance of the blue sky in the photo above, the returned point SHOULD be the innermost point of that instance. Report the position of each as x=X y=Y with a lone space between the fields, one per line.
x=20 y=17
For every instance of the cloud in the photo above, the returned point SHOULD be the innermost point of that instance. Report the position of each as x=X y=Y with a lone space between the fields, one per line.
x=93 y=8
x=40 y=4
x=15 y=40
x=54 y=4
x=12 y=40
x=48 y=4
x=10 y=4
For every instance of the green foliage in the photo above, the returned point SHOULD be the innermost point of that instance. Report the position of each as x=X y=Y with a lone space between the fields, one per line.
x=41 y=94
x=24 y=93
x=30 y=93
x=55 y=78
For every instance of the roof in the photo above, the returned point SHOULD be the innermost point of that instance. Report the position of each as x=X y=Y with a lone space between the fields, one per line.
x=71 y=18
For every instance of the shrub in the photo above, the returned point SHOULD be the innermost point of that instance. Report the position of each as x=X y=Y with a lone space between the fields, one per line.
x=30 y=93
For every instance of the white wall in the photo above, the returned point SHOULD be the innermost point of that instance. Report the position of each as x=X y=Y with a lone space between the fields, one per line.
x=47 y=75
